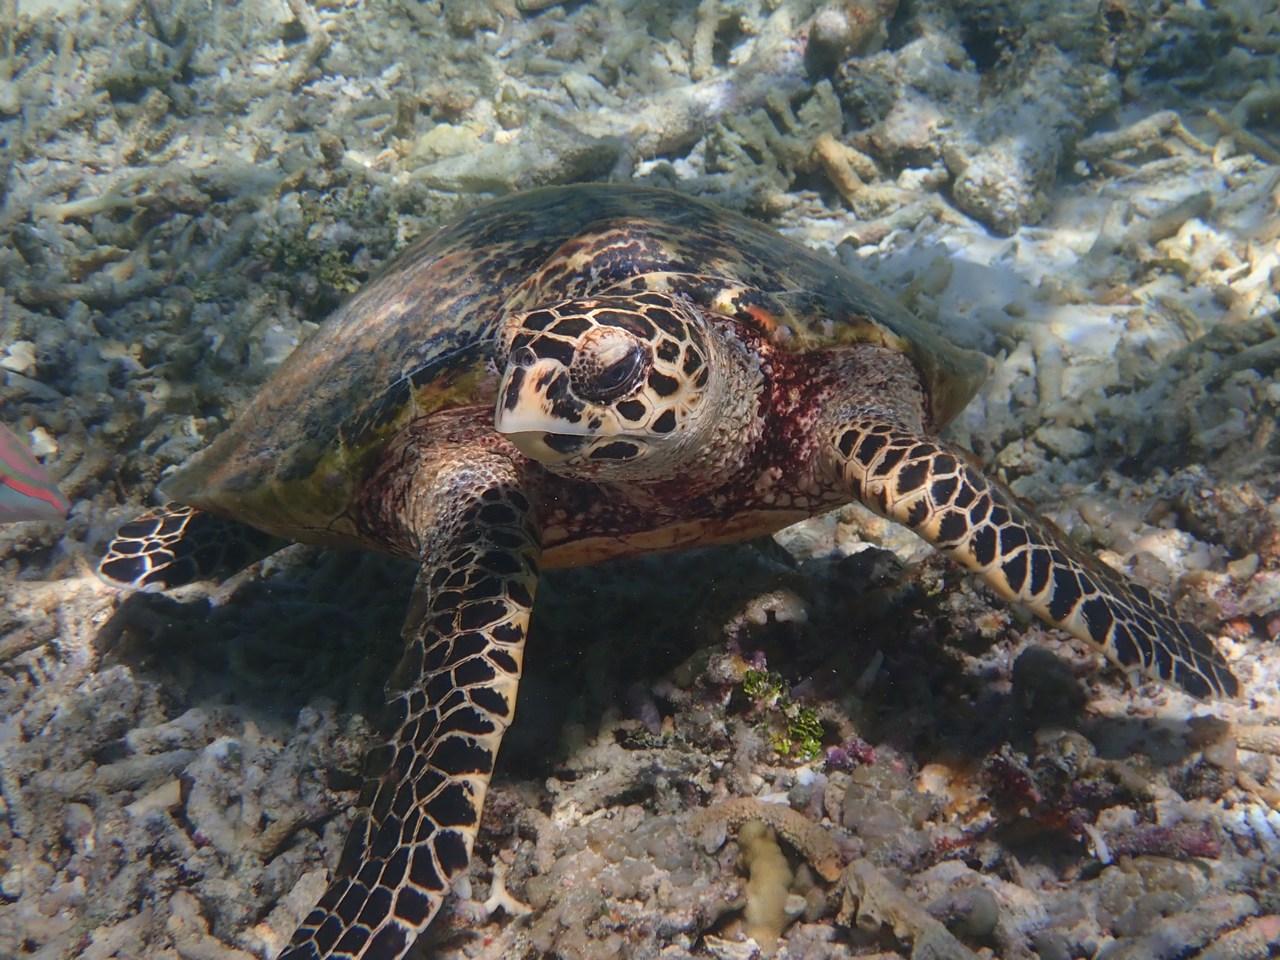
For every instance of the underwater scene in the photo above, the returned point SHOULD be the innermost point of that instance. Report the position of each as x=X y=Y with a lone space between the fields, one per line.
x=640 y=479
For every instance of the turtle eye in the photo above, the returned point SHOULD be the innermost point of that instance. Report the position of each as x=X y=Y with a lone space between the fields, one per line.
x=612 y=372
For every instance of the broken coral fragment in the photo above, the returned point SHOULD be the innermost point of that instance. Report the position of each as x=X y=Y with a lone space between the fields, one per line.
x=871 y=900
x=809 y=839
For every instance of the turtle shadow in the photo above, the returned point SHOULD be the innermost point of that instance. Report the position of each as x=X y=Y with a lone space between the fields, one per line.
x=932 y=663
x=326 y=624
x=318 y=624
x=314 y=624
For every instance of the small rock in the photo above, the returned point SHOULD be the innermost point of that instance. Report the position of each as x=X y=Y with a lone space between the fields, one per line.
x=1066 y=443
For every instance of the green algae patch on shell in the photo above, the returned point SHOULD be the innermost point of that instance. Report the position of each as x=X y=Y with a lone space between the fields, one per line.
x=419 y=339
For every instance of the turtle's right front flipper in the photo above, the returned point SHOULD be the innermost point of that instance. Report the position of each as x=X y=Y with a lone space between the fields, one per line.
x=175 y=544
x=449 y=703
x=917 y=481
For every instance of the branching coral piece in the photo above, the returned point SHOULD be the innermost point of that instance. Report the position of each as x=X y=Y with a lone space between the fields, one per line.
x=1258 y=737
x=1174 y=936
x=809 y=840
x=871 y=900
x=1138 y=136
x=1268 y=795
x=703 y=39
x=676 y=117
x=1178 y=841
x=1261 y=147
x=1256 y=940
x=500 y=897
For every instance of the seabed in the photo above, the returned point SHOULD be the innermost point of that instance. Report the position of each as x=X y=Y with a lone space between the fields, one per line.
x=1086 y=192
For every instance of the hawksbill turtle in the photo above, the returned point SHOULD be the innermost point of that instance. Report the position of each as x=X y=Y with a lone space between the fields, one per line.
x=573 y=374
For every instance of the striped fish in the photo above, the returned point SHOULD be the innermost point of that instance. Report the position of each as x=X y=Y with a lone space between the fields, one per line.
x=26 y=492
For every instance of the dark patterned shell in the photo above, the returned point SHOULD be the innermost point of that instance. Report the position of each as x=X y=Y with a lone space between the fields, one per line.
x=419 y=338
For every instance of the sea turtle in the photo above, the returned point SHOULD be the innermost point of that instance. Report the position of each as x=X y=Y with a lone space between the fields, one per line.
x=568 y=375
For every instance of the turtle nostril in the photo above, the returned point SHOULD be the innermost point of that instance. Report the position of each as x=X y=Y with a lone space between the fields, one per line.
x=524 y=357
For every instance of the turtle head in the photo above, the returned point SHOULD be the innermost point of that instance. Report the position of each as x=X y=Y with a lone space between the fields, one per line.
x=608 y=388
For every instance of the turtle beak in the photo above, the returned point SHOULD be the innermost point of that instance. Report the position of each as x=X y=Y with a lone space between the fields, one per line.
x=547 y=448
x=532 y=401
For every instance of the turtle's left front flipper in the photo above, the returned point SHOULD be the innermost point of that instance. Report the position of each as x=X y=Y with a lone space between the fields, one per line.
x=917 y=481
x=449 y=703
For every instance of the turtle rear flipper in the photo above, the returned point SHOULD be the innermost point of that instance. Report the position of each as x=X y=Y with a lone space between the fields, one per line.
x=917 y=481
x=175 y=544
x=449 y=702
